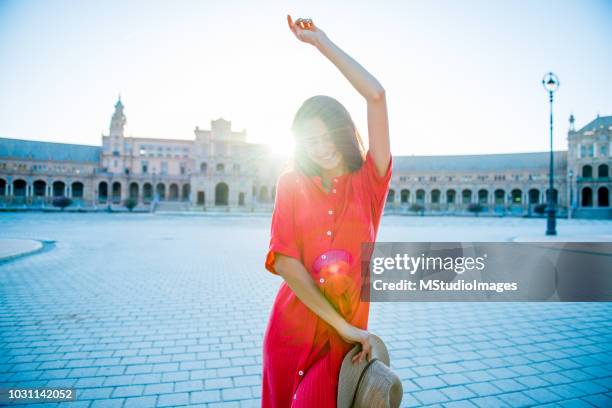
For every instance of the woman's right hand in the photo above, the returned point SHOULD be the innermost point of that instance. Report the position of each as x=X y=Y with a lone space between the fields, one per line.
x=305 y=30
x=352 y=334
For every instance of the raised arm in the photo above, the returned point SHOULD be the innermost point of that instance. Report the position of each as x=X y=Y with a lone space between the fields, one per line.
x=362 y=81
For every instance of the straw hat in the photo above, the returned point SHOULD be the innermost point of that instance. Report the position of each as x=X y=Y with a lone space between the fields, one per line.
x=370 y=384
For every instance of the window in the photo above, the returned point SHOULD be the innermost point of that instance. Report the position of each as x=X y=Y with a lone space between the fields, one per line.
x=164 y=167
x=144 y=167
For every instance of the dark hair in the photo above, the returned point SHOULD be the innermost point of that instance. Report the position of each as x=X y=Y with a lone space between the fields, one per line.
x=342 y=132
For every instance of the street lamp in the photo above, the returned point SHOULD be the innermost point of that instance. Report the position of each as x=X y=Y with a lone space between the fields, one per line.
x=571 y=200
x=550 y=82
x=155 y=196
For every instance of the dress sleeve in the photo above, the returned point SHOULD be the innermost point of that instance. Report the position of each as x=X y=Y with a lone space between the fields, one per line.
x=377 y=186
x=282 y=229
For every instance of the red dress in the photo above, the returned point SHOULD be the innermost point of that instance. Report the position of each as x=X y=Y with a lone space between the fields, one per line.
x=307 y=222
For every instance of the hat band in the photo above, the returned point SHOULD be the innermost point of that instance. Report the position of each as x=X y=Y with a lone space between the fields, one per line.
x=359 y=380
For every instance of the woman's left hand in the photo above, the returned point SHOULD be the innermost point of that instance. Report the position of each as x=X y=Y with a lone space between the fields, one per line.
x=352 y=334
x=305 y=30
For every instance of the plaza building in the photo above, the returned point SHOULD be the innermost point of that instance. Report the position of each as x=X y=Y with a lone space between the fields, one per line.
x=219 y=170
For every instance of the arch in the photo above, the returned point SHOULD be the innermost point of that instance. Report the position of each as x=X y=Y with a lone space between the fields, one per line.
x=466 y=196
x=603 y=197
x=420 y=196
x=58 y=188
x=174 y=192
x=134 y=190
x=517 y=196
x=220 y=167
x=534 y=196
x=404 y=196
x=603 y=171
x=2 y=187
x=103 y=191
x=435 y=196
x=391 y=196
x=587 y=171
x=221 y=194
x=203 y=167
x=586 y=197
x=450 y=196
x=201 y=198
x=161 y=191
x=263 y=194
x=483 y=196
x=147 y=192
x=40 y=188
x=116 y=192
x=499 y=196
x=241 y=198
x=77 y=189
x=19 y=188
x=185 y=191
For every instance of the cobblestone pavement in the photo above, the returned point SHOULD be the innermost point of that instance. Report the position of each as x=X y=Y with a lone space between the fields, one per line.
x=140 y=310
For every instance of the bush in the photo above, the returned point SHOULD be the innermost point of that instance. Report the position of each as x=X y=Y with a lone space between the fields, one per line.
x=539 y=208
x=130 y=203
x=417 y=208
x=61 y=202
x=475 y=208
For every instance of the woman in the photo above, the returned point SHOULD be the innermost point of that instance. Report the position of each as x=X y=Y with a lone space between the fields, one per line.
x=325 y=207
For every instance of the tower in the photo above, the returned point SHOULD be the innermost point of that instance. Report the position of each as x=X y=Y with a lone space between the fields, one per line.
x=114 y=146
x=118 y=120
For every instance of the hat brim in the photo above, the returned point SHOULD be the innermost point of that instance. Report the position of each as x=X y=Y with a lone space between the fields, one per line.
x=350 y=372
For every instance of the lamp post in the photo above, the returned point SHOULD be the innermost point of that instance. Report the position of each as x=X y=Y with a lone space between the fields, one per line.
x=550 y=82
x=155 y=196
x=571 y=200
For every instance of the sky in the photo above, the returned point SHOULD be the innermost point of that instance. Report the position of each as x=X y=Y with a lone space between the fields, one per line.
x=461 y=77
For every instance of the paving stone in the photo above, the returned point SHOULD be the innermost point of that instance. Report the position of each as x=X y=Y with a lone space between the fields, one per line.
x=143 y=314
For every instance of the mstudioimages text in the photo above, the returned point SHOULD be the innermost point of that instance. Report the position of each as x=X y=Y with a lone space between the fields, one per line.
x=440 y=285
